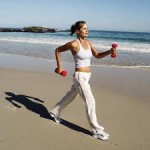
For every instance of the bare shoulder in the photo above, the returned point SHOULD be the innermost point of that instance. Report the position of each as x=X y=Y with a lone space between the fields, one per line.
x=74 y=45
x=68 y=46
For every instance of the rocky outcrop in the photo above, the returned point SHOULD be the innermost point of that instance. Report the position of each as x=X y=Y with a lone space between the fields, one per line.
x=33 y=29
x=11 y=30
x=38 y=29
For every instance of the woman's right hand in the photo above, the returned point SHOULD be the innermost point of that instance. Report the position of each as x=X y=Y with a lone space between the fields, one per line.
x=58 y=70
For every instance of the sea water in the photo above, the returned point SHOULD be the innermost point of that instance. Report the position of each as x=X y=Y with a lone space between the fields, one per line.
x=133 y=47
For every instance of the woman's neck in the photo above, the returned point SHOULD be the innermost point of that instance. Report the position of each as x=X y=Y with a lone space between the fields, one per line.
x=81 y=39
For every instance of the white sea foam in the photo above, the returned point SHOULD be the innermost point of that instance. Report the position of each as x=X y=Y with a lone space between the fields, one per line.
x=30 y=40
x=124 y=46
x=99 y=44
x=128 y=67
x=131 y=52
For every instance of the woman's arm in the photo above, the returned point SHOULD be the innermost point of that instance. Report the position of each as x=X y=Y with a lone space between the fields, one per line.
x=99 y=55
x=63 y=48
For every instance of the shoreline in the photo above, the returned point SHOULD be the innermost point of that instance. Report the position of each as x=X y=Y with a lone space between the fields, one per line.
x=122 y=102
x=40 y=60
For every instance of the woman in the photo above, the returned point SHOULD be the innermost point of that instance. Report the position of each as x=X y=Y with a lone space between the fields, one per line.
x=82 y=51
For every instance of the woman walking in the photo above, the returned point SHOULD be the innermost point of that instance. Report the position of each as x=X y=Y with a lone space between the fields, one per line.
x=82 y=51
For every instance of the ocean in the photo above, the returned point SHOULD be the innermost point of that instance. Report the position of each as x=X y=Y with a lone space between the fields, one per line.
x=133 y=47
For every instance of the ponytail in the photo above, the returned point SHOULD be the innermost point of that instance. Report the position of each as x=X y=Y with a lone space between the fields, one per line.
x=77 y=26
x=73 y=29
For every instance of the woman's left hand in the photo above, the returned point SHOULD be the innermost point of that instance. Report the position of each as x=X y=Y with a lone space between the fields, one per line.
x=113 y=51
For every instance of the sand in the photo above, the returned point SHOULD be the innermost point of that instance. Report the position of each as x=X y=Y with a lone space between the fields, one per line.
x=29 y=89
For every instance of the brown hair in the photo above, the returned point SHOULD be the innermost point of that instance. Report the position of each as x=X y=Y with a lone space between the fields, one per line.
x=77 y=25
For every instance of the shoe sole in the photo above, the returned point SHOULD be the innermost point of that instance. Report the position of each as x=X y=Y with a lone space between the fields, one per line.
x=104 y=138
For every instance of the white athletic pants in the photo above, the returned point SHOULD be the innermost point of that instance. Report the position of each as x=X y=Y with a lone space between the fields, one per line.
x=82 y=87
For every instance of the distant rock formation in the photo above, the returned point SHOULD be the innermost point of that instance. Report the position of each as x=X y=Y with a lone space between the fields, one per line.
x=11 y=30
x=33 y=29
x=38 y=29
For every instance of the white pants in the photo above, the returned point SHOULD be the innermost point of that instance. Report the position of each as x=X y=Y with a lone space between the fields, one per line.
x=82 y=87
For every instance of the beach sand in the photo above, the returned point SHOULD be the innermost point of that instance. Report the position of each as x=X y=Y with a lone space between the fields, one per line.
x=29 y=89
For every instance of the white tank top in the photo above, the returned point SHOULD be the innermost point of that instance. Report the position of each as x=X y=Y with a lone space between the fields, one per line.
x=83 y=56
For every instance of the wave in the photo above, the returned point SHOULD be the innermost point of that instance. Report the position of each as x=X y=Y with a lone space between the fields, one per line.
x=121 y=36
x=135 y=39
x=34 y=40
x=128 y=67
x=124 y=46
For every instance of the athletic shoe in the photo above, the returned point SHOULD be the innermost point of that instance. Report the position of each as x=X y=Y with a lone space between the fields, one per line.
x=56 y=119
x=101 y=128
x=101 y=135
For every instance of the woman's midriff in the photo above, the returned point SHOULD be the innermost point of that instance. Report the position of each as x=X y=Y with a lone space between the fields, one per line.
x=83 y=69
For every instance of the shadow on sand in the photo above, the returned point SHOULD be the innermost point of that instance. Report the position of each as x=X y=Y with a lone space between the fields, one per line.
x=35 y=105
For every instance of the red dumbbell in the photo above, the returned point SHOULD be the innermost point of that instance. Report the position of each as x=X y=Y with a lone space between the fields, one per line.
x=63 y=73
x=114 y=46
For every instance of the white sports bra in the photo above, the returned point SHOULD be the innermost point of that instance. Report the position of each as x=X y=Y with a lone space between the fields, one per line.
x=83 y=57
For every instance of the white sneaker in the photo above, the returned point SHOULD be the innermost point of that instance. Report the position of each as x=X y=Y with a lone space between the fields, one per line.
x=101 y=135
x=101 y=128
x=56 y=119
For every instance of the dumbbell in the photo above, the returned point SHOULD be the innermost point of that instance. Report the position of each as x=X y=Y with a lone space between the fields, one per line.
x=114 y=46
x=63 y=73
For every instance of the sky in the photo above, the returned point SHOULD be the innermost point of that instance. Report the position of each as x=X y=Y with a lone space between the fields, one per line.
x=114 y=15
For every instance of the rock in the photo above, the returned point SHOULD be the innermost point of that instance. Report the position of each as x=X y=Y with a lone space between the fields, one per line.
x=11 y=30
x=38 y=29
x=33 y=29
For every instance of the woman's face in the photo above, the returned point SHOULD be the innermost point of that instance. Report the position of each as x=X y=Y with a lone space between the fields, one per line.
x=83 y=32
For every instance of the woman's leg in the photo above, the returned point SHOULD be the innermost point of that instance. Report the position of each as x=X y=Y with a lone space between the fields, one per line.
x=86 y=94
x=66 y=100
